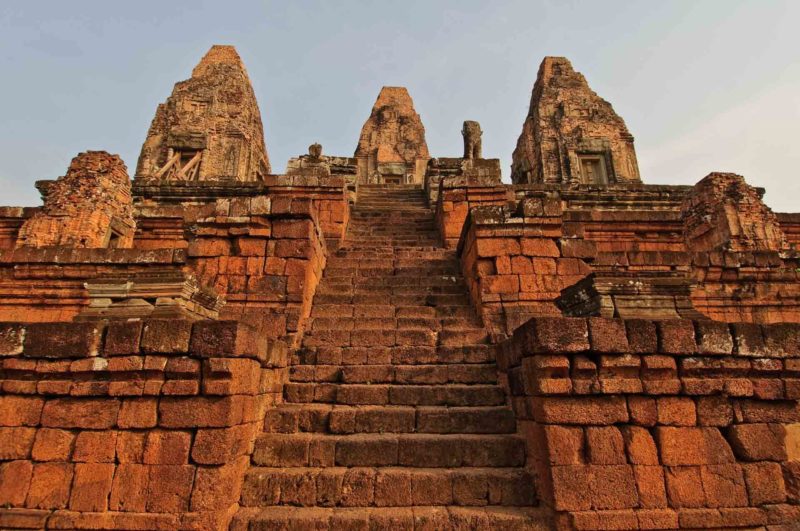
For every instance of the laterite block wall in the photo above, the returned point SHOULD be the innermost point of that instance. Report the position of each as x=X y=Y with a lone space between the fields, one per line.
x=660 y=425
x=133 y=425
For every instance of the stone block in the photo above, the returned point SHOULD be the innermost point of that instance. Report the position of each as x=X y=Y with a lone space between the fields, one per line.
x=605 y=445
x=583 y=411
x=122 y=338
x=16 y=443
x=129 y=488
x=724 y=485
x=640 y=446
x=714 y=411
x=749 y=340
x=758 y=442
x=676 y=411
x=676 y=336
x=782 y=340
x=642 y=336
x=684 y=487
x=50 y=485
x=91 y=487
x=138 y=413
x=130 y=446
x=15 y=480
x=650 y=485
x=219 y=446
x=564 y=444
x=556 y=335
x=86 y=413
x=692 y=446
x=167 y=447
x=166 y=336
x=218 y=487
x=95 y=447
x=643 y=410
x=52 y=445
x=62 y=340
x=713 y=338
x=169 y=488
x=608 y=335
x=221 y=339
x=764 y=483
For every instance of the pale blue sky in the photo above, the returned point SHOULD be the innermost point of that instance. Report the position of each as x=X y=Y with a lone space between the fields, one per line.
x=703 y=85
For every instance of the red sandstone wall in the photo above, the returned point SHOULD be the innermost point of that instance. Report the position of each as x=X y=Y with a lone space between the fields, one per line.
x=660 y=425
x=455 y=198
x=754 y=287
x=516 y=265
x=47 y=284
x=143 y=425
x=267 y=268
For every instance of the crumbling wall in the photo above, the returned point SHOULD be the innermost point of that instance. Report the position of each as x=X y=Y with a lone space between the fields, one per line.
x=659 y=425
x=724 y=213
x=90 y=206
x=138 y=425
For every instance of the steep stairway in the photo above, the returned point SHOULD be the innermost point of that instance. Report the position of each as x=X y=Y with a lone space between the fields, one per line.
x=393 y=416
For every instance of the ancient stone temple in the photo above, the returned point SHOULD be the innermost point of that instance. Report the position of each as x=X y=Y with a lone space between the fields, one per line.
x=393 y=340
x=392 y=147
x=209 y=128
x=571 y=135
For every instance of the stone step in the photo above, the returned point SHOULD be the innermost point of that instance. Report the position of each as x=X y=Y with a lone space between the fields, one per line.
x=396 y=264
x=400 y=210
x=423 y=253
x=340 y=322
x=395 y=281
x=388 y=310
x=389 y=337
x=363 y=242
x=386 y=487
x=389 y=253
x=416 y=355
x=418 y=272
x=325 y=418
x=395 y=394
x=391 y=218
x=377 y=450
x=418 y=518
x=410 y=227
x=396 y=374
x=395 y=299
x=419 y=240
x=326 y=288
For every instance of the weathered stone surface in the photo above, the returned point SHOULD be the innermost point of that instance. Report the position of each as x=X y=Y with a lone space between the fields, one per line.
x=209 y=129
x=392 y=145
x=571 y=135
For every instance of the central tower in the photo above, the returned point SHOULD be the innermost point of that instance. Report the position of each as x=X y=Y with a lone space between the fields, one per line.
x=392 y=147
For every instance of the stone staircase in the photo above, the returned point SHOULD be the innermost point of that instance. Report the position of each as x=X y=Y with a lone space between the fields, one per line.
x=393 y=417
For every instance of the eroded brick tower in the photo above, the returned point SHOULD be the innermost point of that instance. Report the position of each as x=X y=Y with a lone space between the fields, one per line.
x=394 y=341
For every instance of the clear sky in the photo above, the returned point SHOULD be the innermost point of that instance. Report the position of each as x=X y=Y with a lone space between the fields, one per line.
x=703 y=85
